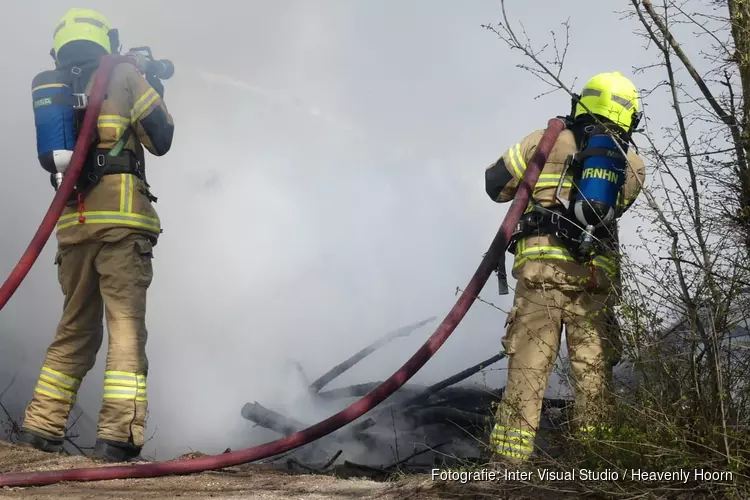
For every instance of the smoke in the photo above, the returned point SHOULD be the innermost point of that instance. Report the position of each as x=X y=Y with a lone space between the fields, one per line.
x=319 y=241
x=277 y=98
x=325 y=186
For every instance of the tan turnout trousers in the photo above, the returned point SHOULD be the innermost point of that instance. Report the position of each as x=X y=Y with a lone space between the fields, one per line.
x=98 y=277
x=532 y=342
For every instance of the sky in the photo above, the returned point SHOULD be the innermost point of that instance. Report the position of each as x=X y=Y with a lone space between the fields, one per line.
x=325 y=186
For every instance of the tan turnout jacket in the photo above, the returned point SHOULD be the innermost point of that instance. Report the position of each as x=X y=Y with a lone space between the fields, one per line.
x=118 y=205
x=544 y=259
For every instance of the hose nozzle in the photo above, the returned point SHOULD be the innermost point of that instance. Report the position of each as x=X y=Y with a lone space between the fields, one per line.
x=163 y=69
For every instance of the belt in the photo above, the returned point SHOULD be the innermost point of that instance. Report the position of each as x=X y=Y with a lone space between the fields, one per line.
x=100 y=163
x=124 y=163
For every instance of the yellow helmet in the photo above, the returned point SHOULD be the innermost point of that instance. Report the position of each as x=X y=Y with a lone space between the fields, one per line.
x=84 y=24
x=611 y=96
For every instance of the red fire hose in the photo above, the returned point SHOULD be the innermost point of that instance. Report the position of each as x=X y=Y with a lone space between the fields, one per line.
x=57 y=206
x=357 y=409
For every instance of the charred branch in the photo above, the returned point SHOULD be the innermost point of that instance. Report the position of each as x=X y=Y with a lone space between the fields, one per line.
x=339 y=369
x=255 y=412
x=310 y=468
x=446 y=415
x=458 y=377
x=360 y=390
x=269 y=419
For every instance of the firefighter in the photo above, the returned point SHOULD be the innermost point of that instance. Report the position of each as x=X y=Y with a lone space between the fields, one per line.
x=558 y=283
x=105 y=240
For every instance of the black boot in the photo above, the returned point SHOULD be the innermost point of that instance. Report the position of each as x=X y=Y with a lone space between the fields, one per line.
x=116 y=451
x=33 y=440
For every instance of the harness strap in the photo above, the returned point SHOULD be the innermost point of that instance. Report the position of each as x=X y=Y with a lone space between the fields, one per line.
x=502 y=276
x=101 y=164
x=73 y=100
x=543 y=222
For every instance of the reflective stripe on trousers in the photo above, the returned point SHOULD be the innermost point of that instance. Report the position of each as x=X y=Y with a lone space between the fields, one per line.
x=513 y=443
x=124 y=385
x=57 y=385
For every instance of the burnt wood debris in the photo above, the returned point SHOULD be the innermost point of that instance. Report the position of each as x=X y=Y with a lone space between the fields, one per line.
x=416 y=428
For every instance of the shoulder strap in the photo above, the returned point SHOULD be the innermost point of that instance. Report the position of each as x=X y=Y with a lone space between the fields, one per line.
x=77 y=76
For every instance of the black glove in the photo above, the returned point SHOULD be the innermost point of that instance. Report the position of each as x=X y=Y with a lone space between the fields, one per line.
x=156 y=84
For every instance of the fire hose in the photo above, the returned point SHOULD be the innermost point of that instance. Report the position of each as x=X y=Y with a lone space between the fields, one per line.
x=314 y=432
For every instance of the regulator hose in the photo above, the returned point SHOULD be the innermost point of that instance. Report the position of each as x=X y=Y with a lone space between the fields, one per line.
x=55 y=210
x=358 y=408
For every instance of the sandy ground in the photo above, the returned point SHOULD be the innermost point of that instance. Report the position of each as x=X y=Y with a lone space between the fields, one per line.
x=244 y=482
x=266 y=483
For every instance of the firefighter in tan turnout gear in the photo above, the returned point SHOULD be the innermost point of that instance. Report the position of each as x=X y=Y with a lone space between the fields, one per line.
x=566 y=261
x=105 y=236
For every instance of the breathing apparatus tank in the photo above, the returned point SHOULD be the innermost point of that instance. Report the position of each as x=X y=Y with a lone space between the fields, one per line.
x=55 y=119
x=602 y=176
